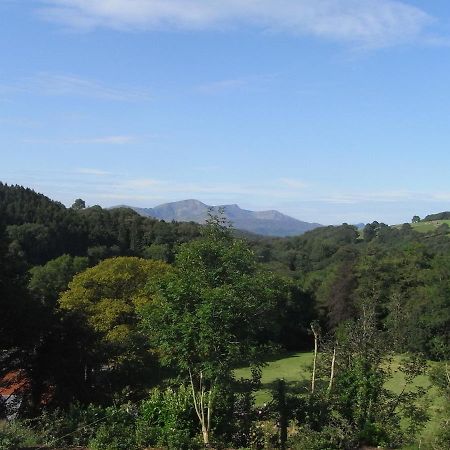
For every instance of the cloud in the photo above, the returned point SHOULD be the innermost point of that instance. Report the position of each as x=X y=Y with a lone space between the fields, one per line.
x=294 y=184
x=113 y=140
x=365 y=22
x=51 y=84
x=90 y=171
x=106 y=140
x=385 y=197
x=255 y=81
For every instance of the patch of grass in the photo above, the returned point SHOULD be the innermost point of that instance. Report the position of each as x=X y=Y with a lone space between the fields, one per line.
x=433 y=402
x=295 y=369
x=427 y=227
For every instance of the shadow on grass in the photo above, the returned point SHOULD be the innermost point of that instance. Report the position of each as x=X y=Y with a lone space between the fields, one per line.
x=281 y=356
x=295 y=387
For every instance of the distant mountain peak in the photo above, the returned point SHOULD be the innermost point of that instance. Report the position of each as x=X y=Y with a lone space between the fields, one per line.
x=268 y=223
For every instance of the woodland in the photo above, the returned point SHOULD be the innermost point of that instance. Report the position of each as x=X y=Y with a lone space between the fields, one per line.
x=121 y=332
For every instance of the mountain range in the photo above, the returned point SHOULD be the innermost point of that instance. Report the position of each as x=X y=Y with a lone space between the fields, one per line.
x=267 y=223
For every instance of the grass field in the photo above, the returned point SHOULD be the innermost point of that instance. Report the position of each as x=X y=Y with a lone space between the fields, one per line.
x=427 y=227
x=295 y=369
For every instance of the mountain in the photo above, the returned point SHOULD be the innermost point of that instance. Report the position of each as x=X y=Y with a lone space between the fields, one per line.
x=268 y=223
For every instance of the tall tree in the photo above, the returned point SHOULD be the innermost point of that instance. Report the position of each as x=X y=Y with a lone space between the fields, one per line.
x=207 y=316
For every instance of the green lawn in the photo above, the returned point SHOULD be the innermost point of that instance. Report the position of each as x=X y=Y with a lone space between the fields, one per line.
x=295 y=369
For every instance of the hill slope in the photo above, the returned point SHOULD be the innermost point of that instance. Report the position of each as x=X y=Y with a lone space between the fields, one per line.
x=439 y=216
x=268 y=223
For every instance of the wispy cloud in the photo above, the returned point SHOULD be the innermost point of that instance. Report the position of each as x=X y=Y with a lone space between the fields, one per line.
x=90 y=171
x=293 y=184
x=105 y=140
x=252 y=82
x=365 y=22
x=50 y=84
x=395 y=196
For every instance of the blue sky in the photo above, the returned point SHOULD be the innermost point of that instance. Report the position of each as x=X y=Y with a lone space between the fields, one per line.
x=328 y=110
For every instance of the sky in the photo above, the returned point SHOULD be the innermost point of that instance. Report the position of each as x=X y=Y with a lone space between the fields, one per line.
x=330 y=111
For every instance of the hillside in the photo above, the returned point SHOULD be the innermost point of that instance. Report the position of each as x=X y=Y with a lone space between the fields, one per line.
x=438 y=216
x=431 y=226
x=267 y=223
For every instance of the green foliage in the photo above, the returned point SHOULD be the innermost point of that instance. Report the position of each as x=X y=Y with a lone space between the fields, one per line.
x=49 y=280
x=14 y=435
x=217 y=308
x=116 y=431
x=78 y=204
x=207 y=316
x=158 y=251
x=358 y=408
x=41 y=229
x=439 y=216
x=72 y=427
x=441 y=378
x=334 y=437
x=167 y=418
x=105 y=298
x=211 y=314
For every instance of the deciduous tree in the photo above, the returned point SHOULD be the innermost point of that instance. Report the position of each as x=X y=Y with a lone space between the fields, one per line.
x=207 y=316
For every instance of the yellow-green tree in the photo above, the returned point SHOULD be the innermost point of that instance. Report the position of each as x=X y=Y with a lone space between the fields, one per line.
x=104 y=299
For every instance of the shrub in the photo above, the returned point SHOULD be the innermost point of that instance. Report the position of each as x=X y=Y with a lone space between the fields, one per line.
x=117 y=431
x=16 y=434
x=73 y=427
x=167 y=418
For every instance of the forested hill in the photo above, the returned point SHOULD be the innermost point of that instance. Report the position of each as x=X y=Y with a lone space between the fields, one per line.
x=334 y=265
x=439 y=216
x=41 y=229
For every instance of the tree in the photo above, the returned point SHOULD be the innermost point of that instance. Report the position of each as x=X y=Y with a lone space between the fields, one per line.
x=105 y=298
x=78 y=204
x=49 y=280
x=20 y=323
x=352 y=406
x=208 y=315
x=415 y=219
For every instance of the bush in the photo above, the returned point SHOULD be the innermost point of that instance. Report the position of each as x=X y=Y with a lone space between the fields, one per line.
x=117 y=431
x=439 y=376
x=16 y=434
x=74 y=427
x=329 y=438
x=167 y=418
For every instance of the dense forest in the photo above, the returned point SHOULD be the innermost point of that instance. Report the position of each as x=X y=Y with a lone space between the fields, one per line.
x=124 y=332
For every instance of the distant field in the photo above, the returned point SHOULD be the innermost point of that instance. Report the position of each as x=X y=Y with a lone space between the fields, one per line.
x=427 y=227
x=295 y=370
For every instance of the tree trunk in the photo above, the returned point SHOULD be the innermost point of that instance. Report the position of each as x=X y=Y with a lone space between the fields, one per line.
x=205 y=433
x=333 y=362
x=204 y=417
x=282 y=413
x=316 y=347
